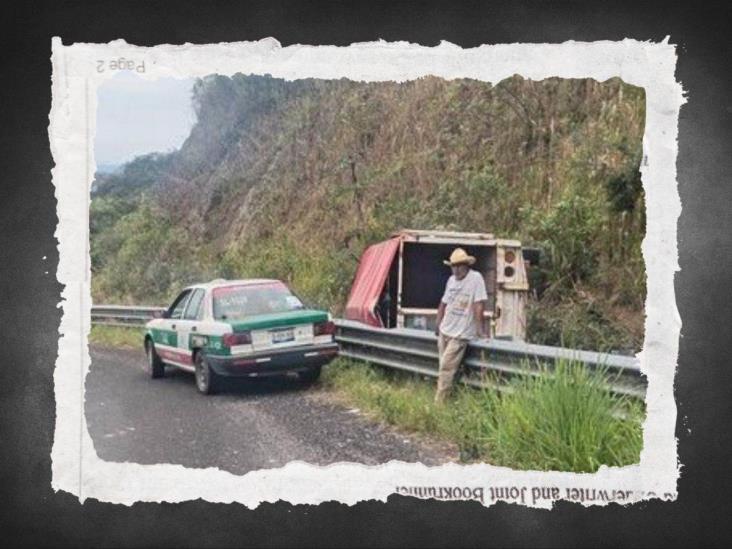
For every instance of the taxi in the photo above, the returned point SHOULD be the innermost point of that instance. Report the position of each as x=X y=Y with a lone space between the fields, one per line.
x=239 y=328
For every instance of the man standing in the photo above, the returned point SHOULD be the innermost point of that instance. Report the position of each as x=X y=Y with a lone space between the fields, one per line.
x=459 y=317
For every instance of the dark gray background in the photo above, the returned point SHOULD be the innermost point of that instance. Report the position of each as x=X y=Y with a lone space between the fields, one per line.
x=33 y=514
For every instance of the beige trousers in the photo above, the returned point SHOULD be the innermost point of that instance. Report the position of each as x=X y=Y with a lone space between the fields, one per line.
x=451 y=351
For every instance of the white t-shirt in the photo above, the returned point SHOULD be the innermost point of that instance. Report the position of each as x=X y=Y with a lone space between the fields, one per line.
x=460 y=296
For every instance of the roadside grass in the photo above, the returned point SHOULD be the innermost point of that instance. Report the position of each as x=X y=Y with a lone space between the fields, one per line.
x=562 y=422
x=116 y=336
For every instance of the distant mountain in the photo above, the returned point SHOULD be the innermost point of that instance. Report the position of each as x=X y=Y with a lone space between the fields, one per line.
x=130 y=180
x=109 y=168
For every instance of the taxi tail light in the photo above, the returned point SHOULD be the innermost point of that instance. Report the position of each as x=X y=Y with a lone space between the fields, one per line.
x=241 y=338
x=324 y=328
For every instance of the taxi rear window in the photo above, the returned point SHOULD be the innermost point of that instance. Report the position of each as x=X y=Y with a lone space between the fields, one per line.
x=233 y=302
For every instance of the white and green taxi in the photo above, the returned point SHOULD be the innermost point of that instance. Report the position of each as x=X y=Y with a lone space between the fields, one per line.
x=239 y=328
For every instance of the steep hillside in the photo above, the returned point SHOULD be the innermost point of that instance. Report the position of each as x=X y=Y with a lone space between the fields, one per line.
x=294 y=179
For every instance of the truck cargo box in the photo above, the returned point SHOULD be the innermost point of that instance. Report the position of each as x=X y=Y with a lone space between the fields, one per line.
x=399 y=282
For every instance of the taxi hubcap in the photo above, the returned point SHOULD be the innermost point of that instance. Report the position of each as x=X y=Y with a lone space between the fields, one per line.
x=201 y=374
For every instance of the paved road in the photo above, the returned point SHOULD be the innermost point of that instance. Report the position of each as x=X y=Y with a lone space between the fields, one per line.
x=251 y=425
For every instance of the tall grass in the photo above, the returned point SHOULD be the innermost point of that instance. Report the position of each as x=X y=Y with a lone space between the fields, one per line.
x=565 y=421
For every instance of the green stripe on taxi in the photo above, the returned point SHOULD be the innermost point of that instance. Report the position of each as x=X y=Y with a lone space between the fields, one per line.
x=276 y=320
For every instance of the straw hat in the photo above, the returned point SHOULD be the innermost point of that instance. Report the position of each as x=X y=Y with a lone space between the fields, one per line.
x=459 y=257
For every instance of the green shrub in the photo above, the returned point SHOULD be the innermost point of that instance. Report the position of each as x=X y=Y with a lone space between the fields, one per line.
x=321 y=277
x=576 y=324
x=152 y=259
x=567 y=234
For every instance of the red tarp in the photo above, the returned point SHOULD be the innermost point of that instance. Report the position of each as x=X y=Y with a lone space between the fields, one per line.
x=369 y=282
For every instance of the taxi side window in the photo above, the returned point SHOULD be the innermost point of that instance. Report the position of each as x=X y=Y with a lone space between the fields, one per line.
x=194 y=308
x=176 y=310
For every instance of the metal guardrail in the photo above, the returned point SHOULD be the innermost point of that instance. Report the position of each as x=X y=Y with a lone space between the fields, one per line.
x=489 y=362
x=122 y=315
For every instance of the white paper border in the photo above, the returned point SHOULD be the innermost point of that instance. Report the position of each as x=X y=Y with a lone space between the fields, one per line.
x=75 y=466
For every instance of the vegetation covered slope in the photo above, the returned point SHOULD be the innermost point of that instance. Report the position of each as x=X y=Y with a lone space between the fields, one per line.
x=295 y=179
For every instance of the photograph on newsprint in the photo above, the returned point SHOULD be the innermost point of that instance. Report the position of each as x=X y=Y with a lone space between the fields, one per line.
x=324 y=273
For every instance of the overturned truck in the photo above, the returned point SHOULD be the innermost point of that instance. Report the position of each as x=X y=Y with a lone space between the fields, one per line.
x=399 y=282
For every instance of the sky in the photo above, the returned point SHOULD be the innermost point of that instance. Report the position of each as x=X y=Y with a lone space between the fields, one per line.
x=137 y=116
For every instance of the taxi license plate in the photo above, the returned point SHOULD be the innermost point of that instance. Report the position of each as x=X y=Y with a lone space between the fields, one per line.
x=281 y=336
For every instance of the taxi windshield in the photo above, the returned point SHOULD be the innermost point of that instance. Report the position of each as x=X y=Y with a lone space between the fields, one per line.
x=235 y=302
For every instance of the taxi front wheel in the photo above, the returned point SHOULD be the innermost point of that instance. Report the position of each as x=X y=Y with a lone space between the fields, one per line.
x=155 y=366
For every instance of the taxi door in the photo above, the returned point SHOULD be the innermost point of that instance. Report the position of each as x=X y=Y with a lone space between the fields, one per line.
x=188 y=324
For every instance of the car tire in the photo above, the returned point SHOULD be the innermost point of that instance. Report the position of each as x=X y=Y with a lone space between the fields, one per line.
x=310 y=376
x=206 y=378
x=155 y=366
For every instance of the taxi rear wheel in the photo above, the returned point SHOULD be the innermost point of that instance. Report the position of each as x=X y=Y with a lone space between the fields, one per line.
x=155 y=366
x=206 y=380
x=311 y=375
